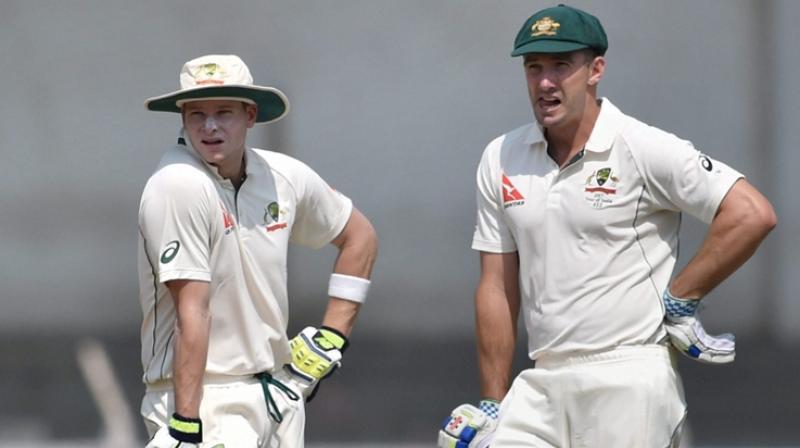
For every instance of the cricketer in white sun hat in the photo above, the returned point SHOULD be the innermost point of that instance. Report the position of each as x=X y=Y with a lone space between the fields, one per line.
x=225 y=77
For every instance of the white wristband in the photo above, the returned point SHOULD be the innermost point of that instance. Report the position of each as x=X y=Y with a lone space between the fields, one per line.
x=348 y=287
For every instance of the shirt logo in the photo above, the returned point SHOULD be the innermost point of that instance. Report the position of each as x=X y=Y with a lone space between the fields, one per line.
x=545 y=27
x=170 y=251
x=209 y=74
x=272 y=216
x=456 y=423
x=706 y=162
x=511 y=196
x=271 y=212
x=227 y=221
x=600 y=188
x=278 y=226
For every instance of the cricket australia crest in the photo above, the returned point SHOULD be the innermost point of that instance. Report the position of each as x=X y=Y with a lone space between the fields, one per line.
x=545 y=27
x=600 y=188
x=272 y=217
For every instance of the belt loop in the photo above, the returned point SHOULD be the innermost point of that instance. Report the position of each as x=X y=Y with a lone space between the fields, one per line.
x=272 y=408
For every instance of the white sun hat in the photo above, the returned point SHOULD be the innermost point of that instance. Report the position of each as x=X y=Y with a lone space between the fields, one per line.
x=222 y=77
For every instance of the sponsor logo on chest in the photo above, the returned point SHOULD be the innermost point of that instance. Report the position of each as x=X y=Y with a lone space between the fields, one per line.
x=227 y=220
x=511 y=196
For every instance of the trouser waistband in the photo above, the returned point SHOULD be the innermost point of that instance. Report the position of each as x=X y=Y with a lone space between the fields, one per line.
x=208 y=379
x=617 y=353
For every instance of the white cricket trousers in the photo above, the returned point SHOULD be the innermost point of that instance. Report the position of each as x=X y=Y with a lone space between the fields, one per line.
x=234 y=415
x=629 y=397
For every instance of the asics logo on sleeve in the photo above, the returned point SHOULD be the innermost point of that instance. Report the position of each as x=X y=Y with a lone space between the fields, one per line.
x=705 y=162
x=170 y=251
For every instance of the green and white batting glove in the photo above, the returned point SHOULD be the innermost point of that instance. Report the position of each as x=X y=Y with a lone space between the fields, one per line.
x=470 y=427
x=687 y=334
x=316 y=354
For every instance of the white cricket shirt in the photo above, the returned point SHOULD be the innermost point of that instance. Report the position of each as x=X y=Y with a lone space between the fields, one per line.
x=194 y=226
x=598 y=239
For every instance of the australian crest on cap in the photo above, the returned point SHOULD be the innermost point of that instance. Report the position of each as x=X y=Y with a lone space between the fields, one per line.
x=545 y=27
x=210 y=73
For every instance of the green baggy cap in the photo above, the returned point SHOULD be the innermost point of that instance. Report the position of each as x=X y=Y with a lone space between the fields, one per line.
x=560 y=29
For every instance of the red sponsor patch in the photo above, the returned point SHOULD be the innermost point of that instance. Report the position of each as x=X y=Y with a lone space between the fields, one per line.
x=227 y=220
x=274 y=227
x=202 y=82
x=510 y=192
x=600 y=190
x=511 y=196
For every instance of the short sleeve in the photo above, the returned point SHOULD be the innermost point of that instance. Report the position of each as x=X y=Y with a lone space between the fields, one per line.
x=322 y=212
x=682 y=178
x=491 y=232
x=174 y=221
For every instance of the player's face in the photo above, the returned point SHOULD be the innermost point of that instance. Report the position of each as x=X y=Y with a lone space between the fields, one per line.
x=218 y=129
x=558 y=84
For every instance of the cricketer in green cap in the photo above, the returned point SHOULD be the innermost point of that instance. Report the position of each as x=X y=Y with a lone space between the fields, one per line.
x=562 y=50
x=560 y=29
x=577 y=213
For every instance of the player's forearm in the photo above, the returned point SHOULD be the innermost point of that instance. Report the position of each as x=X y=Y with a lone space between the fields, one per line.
x=191 y=350
x=744 y=220
x=354 y=260
x=341 y=315
x=496 y=332
x=358 y=248
x=190 y=343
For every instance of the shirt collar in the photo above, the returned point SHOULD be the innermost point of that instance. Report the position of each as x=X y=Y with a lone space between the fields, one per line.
x=602 y=137
x=605 y=128
x=534 y=135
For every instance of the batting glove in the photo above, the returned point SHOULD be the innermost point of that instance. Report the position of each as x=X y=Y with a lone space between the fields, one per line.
x=470 y=427
x=687 y=334
x=316 y=354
